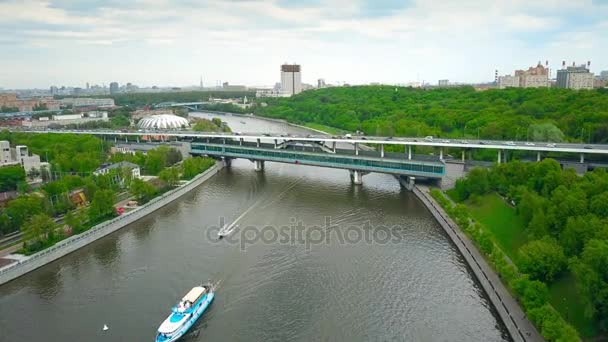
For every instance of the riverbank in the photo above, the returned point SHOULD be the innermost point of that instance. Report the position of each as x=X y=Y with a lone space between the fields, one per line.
x=512 y=315
x=71 y=244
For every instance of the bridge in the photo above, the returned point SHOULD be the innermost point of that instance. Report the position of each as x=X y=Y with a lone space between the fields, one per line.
x=357 y=164
x=329 y=143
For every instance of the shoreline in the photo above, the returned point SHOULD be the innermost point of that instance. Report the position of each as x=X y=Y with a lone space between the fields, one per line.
x=24 y=265
x=507 y=307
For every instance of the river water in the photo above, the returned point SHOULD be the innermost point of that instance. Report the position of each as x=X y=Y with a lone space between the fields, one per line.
x=309 y=261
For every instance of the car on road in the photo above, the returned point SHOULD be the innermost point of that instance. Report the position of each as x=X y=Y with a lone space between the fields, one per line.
x=510 y=143
x=389 y=138
x=588 y=147
x=529 y=143
x=464 y=141
x=482 y=143
x=550 y=145
x=348 y=136
x=429 y=138
x=445 y=141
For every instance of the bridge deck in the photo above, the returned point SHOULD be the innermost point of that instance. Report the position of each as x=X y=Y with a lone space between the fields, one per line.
x=350 y=162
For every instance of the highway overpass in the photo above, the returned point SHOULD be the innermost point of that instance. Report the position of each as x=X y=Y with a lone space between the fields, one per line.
x=578 y=149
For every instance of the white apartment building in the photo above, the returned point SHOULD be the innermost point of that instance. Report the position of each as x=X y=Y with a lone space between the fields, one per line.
x=291 y=79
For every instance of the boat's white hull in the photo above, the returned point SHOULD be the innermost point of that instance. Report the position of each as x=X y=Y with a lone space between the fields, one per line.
x=183 y=329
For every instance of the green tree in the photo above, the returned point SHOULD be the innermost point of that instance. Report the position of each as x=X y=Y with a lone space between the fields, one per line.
x=545 y=132
x=170 y=176
x=542 y=259
x=592 y=274
x=37 y=229
x=10 y=176
x=142 y=190
x=102 y=205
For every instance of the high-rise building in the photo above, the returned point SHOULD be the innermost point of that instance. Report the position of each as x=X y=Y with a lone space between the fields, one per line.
x=54 y=90
x=443 y=83
x=291 y=79
x=113 y=87
x=604 y=75
x=321 y=83
x=575 y=77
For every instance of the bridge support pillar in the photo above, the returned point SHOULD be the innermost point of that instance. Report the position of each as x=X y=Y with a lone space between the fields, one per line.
x=441 y=153
x=258 y=142
x=409 y=152
x=582 y=158
x=537 y=156
x=138 y=139
x=259 y=165
x=115 y=139
x=275 y=143
x=356 y=149
x=381 y=150
x=227 y=161
x=356 y=177
x=463 y=155
x=499 y=156
x=333 y=146
x=241 y=141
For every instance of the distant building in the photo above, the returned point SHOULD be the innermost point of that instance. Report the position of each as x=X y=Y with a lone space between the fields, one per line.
x=291 y=79
x=268 y=93
x=575 y=77
x=134 y=168
x=114 y=88
x=28 y=104
x=18 y=156
x=508 y=81
x=534 y=77
x=226 y=86
x=603 y=75
x=54 y=90
x=443 y=83
x=76 y=102
x=142 y=113
x=320 y=83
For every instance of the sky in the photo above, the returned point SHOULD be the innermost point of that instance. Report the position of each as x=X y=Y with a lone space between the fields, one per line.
x=174 y=42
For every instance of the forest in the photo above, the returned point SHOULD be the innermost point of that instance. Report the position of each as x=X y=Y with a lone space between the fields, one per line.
x=509 y=114
x=564 y=233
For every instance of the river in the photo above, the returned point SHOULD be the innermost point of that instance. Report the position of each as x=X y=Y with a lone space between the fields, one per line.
x=344 y=282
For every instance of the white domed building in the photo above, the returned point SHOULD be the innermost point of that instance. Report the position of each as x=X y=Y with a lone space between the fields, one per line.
x=163 y=121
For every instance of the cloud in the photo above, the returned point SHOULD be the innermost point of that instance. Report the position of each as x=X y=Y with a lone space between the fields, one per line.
x=245 y=40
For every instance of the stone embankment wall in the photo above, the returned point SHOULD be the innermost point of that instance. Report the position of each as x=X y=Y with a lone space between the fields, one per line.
x=75 y=242
x=515 y=320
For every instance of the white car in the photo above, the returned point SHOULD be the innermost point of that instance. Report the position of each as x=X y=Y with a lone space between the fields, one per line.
x=510 y=143
x=445 y=141
x=429 y=138
x=529 y=144
x=550 y=145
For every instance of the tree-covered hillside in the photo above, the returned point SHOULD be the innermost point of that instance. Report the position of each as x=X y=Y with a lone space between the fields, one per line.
x=514 y=114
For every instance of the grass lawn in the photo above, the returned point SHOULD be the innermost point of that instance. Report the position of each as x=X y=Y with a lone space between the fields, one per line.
x=502 y=220
x=566 y=301
x=328 y=129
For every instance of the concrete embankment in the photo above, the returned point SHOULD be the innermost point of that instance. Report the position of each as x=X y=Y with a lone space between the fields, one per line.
x=519 y=327
x=75 y=242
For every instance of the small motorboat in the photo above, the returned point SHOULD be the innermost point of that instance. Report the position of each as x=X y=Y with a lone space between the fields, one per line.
x=225 y=231
x=185 y=313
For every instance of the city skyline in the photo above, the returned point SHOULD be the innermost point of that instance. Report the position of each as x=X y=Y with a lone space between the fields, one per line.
x=172 y=43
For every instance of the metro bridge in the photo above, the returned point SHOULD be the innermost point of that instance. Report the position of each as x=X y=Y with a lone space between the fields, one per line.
x=358 y=165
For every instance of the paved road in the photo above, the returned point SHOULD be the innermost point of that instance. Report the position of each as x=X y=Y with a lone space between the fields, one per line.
x=413 y=141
